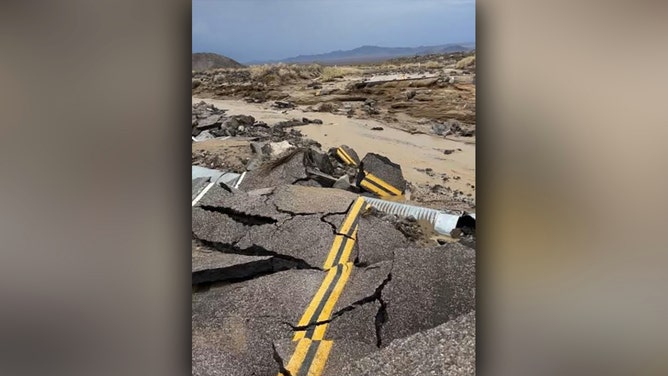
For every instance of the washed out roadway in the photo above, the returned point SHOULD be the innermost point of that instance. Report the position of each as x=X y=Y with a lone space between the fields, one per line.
x=306 y=281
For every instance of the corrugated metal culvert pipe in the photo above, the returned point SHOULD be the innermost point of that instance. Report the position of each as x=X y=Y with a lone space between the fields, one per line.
x=443 y=222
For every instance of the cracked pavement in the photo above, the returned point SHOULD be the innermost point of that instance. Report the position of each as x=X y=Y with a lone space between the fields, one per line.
x=259 y=262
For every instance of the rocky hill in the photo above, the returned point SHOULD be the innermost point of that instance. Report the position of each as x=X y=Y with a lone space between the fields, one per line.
x=205 y=60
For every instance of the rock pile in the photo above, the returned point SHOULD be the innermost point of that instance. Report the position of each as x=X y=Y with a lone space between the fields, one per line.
x=453 y=128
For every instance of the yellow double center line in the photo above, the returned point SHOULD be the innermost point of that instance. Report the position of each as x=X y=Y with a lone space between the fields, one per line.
x=347 y=159
x=378 y=186
x=312 y=349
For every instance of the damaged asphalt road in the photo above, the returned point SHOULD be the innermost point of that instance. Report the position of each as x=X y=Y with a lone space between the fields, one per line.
x=295 y=279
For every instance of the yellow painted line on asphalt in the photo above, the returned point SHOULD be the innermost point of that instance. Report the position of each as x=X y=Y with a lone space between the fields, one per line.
x=378 y=181
x=320 y=359
x=347 y=250
x=297 y=357
x=350 y=218
x=331 y=302
x=372 y=188
x=346 y=158
x=306 y=358
x=339 y=241
x=315 y=302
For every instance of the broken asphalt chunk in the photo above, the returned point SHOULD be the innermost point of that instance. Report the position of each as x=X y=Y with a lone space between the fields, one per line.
x=210 y=265
x=305 y=239
x=311 y=200
x=377 y=239
x=240 y=204
x=448 y=349
x=347 y=155
x=287 y=169
x=240 y=345
x=214 y=227
x=198 y=185
x=380 y=176
x=429 y=286
x=323 y=357
x=213 y=121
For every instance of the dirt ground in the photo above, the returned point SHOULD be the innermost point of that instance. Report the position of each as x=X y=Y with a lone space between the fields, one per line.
x=417 y=111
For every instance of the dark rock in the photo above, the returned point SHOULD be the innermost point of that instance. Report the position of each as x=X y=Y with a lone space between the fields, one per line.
x=256 y=147
x=439 y=129
x=239 y=120
x=320 y=161
x=284 y=104
x=218 y=132
x=288 y=124
x=370 y=110
x=325 y=107
x=377 y=128
x=316 y=121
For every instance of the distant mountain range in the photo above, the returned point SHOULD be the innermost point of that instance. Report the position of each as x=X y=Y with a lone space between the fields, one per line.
x=206 y=60
x=372 y=53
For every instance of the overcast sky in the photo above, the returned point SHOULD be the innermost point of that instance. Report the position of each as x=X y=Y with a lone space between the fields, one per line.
x=247 y=30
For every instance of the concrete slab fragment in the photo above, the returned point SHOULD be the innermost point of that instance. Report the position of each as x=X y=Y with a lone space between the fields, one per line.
x=198 y=184
x=199 y=171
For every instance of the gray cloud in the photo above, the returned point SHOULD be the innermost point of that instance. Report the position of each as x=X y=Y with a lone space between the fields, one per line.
x=248 y=30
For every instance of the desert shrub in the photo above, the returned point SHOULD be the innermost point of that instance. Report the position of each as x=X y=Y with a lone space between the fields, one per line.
x=432 y=64
x=465 y=62
x=283 y=73
x=330 y=73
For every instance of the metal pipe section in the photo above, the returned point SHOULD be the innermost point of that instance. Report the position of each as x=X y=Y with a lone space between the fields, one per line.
x=443 y=222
